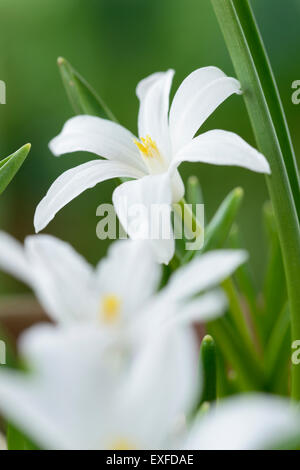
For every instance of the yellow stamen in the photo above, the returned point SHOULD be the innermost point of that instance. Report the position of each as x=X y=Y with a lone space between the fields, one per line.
x=147 y=146
x=110 y=309
x=122 y=444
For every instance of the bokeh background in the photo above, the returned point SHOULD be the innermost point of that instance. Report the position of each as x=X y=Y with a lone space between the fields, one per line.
x=113 y=44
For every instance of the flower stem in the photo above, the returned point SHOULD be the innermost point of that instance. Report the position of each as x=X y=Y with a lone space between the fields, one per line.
x=253 y=70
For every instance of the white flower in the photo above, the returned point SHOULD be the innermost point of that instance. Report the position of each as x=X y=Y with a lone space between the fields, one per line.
x=122 y=288
x=80 y=395
x=77 y=396
x=166 y=139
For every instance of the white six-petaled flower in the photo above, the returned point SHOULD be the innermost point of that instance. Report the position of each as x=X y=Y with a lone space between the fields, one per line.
x=120 y=294
x=166 y=139
x=77 y=396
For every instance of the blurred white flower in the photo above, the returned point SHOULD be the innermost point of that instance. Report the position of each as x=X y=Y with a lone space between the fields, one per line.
x=166 y=139
x=78 y=396
x=122 y=289
x=82 y=393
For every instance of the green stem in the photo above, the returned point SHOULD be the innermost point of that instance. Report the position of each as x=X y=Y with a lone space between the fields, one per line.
x=241 y=35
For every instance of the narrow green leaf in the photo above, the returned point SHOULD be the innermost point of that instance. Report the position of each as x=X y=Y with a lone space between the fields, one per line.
x=10 y=165
x=82 y=96
x=219 y=227
x=271 y=93
x=244 y=279
x=251 y=64
x=275 y=293
x=16 y=440
x=249 y=371
x=208 y=369
x=194 y=192
x=236 y=314
x=277 y=356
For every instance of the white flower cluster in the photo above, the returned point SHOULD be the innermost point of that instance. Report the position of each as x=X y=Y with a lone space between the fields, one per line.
x=119 y=367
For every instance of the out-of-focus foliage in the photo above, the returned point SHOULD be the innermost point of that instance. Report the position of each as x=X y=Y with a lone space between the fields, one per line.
x=115 y=43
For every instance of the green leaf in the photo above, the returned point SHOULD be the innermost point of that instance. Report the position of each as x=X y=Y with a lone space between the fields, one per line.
x=194 y=192
x=271 y=94
x=9 y=166
x=275 y=294
x=278 y=351
x=16 y=440
x=208 y=369
x=82 y=96
x=219 y=227
x=244 y=280
x=250 y=374
x=237 y=315
x=254 y=72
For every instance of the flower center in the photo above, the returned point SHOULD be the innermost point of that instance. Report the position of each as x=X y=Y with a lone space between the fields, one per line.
x=148 y=147
x=110 y=309
x=151 y=155
x=122 y=444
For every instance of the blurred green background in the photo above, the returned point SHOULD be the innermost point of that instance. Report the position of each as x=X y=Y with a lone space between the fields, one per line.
x=115 y=43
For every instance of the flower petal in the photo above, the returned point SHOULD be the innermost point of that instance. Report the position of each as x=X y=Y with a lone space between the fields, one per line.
x=205 y=308
x=73 y=182
x=144 y=209
x=153 y=93
x=165 y=311
x=219 y=147
x=131 y=272
x=195 y=100
x=250 y=422
x=63 y=404
x=62 y=279
x=100 y=136
x=167 y=362
x=13 y=259
x=203 y=272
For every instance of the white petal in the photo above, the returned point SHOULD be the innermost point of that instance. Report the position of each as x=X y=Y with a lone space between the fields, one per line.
x=203 y=272
x=219 y=147
x=13 y=258
x=63 y=404
x=131 y=272
x=100 y=136
x=195 y=100
x=153 y=93
x=165 y=311
x=144 y=209
x=250 y=422
x=165 y=377
x=74 y=182
x=205 y=308
x=63 y=279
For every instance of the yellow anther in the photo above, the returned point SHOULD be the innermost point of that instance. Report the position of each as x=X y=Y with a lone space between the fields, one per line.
x=147 y=146
x=122 y=444
x=110 y=309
